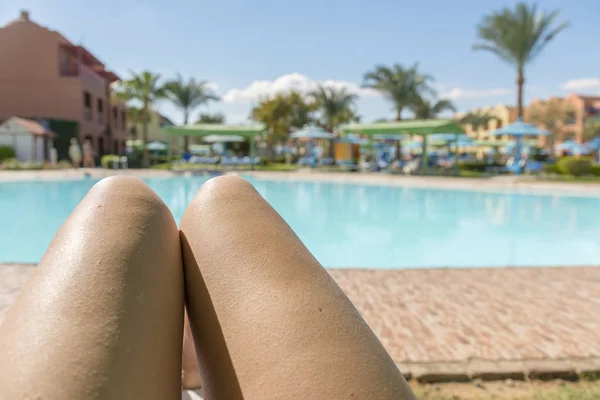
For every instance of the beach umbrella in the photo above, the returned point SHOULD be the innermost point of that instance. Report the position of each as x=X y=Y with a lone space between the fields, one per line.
x=572 y=147
x=223 y=139
x=518 y=130
x=156 y=146
x=312 y=132
x=594 y=144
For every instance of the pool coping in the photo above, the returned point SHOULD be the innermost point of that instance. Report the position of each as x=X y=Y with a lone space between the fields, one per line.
x=571 y=369
x=501 y=184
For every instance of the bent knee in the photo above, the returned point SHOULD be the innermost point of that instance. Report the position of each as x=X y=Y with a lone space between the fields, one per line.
x=127 y=193
x=229 y=186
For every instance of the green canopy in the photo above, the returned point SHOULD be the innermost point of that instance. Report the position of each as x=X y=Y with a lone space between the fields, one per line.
x=214 y=129
x=422 y=127
x=417 y=127
x=246 y=131
x=491 y=143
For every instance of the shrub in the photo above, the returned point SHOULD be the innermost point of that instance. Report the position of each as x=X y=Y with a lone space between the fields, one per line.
x=12 y=164
x=575 y=166
x=595 y=170
x=477 y=166
x=63 y=164
x=6 y=152
x=107 y=160
x=552 y=169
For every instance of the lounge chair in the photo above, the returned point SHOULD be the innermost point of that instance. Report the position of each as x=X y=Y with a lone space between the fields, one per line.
x=411 y=167
x=306 y=161
x=327 y=161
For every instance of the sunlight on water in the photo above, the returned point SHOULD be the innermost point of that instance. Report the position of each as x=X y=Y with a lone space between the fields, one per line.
x=357 y=226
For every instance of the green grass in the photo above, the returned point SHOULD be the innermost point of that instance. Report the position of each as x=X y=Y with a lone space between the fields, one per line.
x=522 y=391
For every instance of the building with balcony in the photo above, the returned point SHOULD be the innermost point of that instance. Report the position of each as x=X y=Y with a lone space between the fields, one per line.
x=62 y=85
x=580 y=109
x=501 y=115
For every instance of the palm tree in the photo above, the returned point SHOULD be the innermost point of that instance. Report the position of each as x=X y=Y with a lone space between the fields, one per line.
x=335 y=105
x=401 y=85
x=591 y=128
x=134 y=118
x=430 y=109
x=145 y=88
x=188 y=96
x=476 y=119
x=211 y=119
x=518 y=36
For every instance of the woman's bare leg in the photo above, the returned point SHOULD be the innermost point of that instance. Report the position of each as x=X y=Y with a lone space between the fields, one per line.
x=102 y=316
x=268 y=321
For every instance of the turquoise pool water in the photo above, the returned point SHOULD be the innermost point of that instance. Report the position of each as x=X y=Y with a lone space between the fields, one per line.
x=356 y=226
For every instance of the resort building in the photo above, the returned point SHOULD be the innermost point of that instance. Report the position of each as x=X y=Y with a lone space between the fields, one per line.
x=62 y=85
x=155 y=125
x=502 y=116
x=580 y=109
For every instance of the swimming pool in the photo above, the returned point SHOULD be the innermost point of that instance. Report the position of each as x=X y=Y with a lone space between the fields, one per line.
x=350 y=225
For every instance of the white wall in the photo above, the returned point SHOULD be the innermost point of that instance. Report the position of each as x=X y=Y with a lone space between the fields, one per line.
x=24 y=146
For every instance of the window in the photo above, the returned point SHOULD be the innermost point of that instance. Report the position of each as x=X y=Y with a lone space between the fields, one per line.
x=571 y=117
x=87 y=106
x=100 y=111
x=123 y=119
x=115 y=115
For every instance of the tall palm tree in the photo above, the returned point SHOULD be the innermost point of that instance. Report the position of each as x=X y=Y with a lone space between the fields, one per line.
x=401 y=85
x=188 y=96
x=518 y=36
x=335 y=105
x=476 y=119
x=145 y=88
x=429 y=109
x=211 y=119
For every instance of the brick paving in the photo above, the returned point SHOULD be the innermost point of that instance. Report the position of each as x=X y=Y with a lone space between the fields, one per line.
x=434 y=315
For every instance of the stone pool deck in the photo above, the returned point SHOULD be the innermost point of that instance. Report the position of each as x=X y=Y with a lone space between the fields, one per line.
x=523 y=184
x=459 y=324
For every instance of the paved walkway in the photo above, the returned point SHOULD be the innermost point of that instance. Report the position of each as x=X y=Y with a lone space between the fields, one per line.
x=454 y=315
x=526 y=184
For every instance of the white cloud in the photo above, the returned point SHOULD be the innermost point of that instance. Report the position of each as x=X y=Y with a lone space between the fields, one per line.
x=460 y=94
x=584 y=83
x=286 y=83
x=212 y=86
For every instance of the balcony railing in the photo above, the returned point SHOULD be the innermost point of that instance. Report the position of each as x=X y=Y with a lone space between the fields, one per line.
x=87 y=113
x=100 y=117
x=69 y=70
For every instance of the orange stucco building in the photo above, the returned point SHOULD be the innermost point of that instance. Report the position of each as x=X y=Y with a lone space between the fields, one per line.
x=581 y=108
x=44 y=76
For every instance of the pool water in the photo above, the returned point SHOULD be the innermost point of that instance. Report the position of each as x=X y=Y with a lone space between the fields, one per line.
x=347 y=225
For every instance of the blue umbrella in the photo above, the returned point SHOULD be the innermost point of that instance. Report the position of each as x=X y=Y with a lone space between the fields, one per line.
x=312 y=132
x=572 y=147
x=156 y=146
x=594 y=144
x=519 y=129
x=461 y=139
x=355 y=139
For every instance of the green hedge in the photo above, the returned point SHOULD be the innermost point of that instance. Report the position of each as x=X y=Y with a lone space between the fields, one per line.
x=477 y=166
x=12 y=164
x=6 y=153
x=107 y=160
x=576 y=166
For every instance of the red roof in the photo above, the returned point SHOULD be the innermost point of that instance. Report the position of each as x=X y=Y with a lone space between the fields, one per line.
x=33 y=127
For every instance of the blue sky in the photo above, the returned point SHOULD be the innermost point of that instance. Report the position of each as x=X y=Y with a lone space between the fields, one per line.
x=252 y=48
